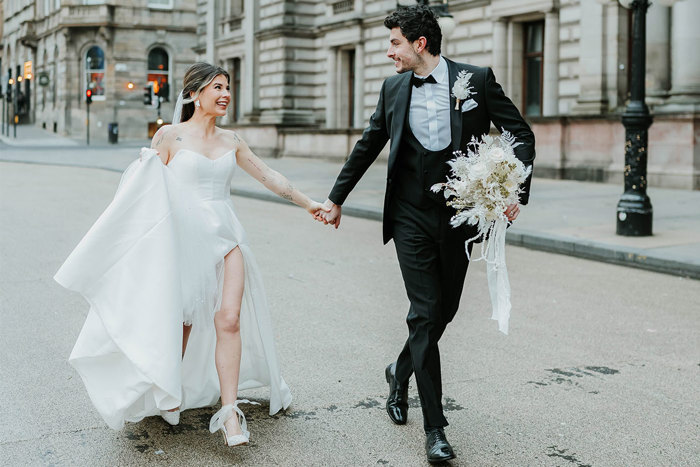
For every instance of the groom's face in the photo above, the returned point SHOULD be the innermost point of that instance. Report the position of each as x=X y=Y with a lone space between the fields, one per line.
x=404 y=53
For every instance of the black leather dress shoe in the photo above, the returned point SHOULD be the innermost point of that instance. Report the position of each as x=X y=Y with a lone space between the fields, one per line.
x=397 y=402
x=436 y=446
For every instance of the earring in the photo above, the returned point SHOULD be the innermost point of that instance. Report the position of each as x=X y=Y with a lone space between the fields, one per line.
x=197 y=104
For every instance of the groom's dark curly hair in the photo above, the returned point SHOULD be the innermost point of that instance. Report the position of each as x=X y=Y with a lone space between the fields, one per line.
x=416 y=21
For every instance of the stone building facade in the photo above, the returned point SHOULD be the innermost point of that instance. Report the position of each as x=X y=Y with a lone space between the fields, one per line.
x=306 y=75
x=113 y=48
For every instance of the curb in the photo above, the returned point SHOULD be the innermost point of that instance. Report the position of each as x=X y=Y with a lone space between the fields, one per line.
x=569 y=246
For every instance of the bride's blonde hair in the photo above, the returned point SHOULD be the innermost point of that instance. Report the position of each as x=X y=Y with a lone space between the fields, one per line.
x=197 y=77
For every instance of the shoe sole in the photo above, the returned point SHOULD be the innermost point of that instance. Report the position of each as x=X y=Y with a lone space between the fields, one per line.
x=444 y=459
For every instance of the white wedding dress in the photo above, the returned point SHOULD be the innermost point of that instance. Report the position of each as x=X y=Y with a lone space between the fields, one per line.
x=153 y=261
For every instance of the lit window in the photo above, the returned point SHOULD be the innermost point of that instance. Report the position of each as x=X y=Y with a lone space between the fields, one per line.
x=95 y=72
x=159 y=73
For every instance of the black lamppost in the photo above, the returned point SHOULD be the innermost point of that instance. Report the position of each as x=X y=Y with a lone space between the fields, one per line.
x=634 y=211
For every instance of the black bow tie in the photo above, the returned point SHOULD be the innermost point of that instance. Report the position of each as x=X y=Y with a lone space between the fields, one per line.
x=418 y=82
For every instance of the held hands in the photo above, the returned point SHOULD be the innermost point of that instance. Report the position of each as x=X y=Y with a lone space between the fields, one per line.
x=329 y=214
x=317 y=210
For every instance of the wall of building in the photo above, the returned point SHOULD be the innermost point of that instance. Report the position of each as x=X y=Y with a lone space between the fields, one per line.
x=309 y=72
x=57 y=40
x=298 y=59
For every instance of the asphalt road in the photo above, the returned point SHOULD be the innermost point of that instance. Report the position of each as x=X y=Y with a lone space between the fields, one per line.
x=600 y=368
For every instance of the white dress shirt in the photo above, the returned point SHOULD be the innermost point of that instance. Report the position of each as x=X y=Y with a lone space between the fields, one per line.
x=429 y=114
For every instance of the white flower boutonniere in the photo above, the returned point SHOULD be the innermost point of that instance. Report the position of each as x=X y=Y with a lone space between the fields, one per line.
x=462 y=90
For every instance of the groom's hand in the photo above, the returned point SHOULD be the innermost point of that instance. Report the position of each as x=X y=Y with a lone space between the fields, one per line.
x=512 y=212
x=333 y=216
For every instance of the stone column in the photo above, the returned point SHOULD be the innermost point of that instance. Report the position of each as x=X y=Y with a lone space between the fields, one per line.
x=515 y=63
x=331 y=88
x=211 y=29
x=359 y=86
x=550 y=83
x=499 y=53
x=250 y=86
x=685 y=75
x=658 y=72
x=591 y=99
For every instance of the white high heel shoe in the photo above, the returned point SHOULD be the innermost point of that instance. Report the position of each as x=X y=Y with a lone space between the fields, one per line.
x=171 y=416
x=226 y=412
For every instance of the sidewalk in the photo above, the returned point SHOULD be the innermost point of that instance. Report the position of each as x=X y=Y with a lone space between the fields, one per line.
x=563 y=216
x=33 y=136
x=567 y=217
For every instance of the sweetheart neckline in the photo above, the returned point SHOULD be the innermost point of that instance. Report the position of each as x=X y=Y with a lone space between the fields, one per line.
x=202 y=155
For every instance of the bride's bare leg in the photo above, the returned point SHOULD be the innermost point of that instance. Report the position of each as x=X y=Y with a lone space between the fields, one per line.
x=228 y=335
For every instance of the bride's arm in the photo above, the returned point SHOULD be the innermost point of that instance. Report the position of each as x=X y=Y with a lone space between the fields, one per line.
x=271 y=179
x=161 y=143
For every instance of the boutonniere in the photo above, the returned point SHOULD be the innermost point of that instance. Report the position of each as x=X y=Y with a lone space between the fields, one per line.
x=462 y=89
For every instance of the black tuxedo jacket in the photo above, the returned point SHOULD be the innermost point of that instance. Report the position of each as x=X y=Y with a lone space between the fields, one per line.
x=387 y=123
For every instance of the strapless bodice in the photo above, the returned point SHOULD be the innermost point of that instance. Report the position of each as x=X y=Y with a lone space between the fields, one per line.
x=210 y=179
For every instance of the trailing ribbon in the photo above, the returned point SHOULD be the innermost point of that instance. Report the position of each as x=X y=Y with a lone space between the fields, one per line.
x=493 y=251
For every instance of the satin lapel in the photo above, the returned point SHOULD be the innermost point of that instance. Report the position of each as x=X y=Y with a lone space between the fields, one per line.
x=455 y=115
x=401 y=105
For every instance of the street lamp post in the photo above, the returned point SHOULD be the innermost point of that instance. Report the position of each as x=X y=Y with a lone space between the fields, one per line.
x=15 y=105
x=4 y=101
x=634 y=210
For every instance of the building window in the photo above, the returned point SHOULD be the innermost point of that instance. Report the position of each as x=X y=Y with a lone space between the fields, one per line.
x=44 y=68
x=351 y=86
x=234 y=8
x=166 y=4
x=533 y=60
x=343 y=7
x=53 y=76
x=159 y=72
x=346 y=88
x=95 y=72
x=236 y=89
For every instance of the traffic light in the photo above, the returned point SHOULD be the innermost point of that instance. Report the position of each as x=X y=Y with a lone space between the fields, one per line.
x=88 y=96
x=148 y=94
x=164 y=91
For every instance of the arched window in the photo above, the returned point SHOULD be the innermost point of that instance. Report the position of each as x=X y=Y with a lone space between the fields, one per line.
x=95 y=72
x=159 y=72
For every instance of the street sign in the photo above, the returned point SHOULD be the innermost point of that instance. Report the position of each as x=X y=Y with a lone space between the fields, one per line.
x=43 y=78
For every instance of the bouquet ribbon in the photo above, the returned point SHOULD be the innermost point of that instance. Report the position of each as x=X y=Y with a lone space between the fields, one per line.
x=497 y=275
x=493 y=251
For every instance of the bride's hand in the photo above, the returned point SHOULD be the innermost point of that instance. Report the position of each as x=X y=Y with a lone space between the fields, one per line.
x=316 y=209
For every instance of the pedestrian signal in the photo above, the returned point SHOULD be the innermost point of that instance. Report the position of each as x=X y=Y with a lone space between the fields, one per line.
x=88 y=96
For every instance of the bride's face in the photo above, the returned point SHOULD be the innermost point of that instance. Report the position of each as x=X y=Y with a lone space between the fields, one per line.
x=215 y=97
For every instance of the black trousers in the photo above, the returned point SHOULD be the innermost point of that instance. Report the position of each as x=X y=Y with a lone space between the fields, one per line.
x=433 y=265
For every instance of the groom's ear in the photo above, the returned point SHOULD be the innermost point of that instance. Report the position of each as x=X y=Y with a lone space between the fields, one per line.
x=420 y=44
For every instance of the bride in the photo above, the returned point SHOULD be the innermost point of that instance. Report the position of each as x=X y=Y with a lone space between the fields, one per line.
x=178 y=315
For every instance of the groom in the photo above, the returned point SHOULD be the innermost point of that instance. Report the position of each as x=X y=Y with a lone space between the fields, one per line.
x=416 y=111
